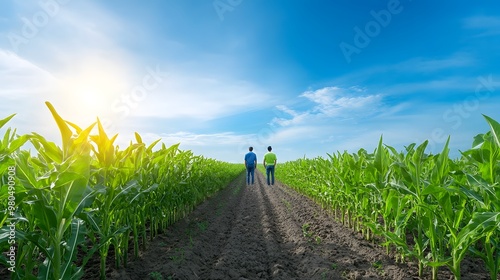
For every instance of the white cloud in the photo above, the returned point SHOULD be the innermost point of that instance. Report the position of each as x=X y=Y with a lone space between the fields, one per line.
x=297 y=133
x=335 y=101
x=426 y=65
x=193 y=139
x=90 y=71
x=225 y=146
x=365 y=118
x=201 y=97
x=448 y=86
x=296 y=118
x=25 y=87
x=332 y=103
x=488 y=25
x=80 y=74
x=16 y=71
x=413 y=66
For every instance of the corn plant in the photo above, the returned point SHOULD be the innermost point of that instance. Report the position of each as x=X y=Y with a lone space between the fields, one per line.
x=56 y=192
x=449 y=208
x=88 y=196
x=9 y=145
x=482 y=187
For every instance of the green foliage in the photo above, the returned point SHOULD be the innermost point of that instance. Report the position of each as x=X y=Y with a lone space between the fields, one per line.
x=448 y=208
x=156 y=275
x=89 y=195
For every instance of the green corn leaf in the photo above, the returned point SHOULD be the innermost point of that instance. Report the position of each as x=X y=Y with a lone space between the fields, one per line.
x=394 y=153
x=399 y=242
x=125 y=190
x=379 y=160
x=6 y=120
x=478 y=141
x=50 y=150
x=439 y=263
x=138 y=138
x=74 y=192
x=44 y=270
x=18 y=142
x=150 y=147
x=77 y=129
x=418 y=156
x=441 y=168
x=77 y=237
x=83 y=137
x=26 y=172
x=63 y=128
x=391 y=202
x=480 y=224
x=102 y=133
x=45 y=216
x=483 y=186
x=403 y=189
x=473 y=195
x=432 y=189
x=6 y=137
x=495 y=129
x=35 y=237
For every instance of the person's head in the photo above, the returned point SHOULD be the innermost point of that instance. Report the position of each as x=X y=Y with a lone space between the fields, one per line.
x=250 y=149
x=269 y=148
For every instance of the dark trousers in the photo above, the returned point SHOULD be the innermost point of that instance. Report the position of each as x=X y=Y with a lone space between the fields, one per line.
x=250 y=173
x=270 y=174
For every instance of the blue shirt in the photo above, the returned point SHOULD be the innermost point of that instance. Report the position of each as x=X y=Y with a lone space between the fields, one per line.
x=250 y=159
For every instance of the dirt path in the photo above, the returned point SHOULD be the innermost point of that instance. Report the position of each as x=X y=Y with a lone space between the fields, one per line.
x=261 y=232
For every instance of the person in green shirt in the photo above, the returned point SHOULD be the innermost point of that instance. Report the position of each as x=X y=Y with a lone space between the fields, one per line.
x=269 y=165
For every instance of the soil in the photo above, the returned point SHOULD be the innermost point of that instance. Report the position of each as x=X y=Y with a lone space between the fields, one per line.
x=266 y=232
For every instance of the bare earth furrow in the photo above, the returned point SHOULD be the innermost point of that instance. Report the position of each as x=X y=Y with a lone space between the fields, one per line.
x=262 y=232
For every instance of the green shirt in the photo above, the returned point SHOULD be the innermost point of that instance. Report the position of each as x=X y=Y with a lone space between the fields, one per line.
x=270 y=158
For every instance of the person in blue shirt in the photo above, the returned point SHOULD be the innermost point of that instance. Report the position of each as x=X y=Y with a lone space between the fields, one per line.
x=250 y=164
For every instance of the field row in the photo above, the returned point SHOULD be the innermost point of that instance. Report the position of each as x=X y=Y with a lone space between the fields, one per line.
x=63 y=205
x=426 y=207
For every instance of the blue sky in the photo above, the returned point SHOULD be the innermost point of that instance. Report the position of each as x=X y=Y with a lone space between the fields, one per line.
x=307 y=77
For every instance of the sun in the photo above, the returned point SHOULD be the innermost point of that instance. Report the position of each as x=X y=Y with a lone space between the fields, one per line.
x=90 y=97
x=90 y=91
x=87 y=99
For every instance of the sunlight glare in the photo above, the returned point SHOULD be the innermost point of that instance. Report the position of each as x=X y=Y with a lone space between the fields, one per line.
x=89 y=92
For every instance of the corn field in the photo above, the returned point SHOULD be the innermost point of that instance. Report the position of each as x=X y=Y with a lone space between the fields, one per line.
x=64 y=205
x=424 y=207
